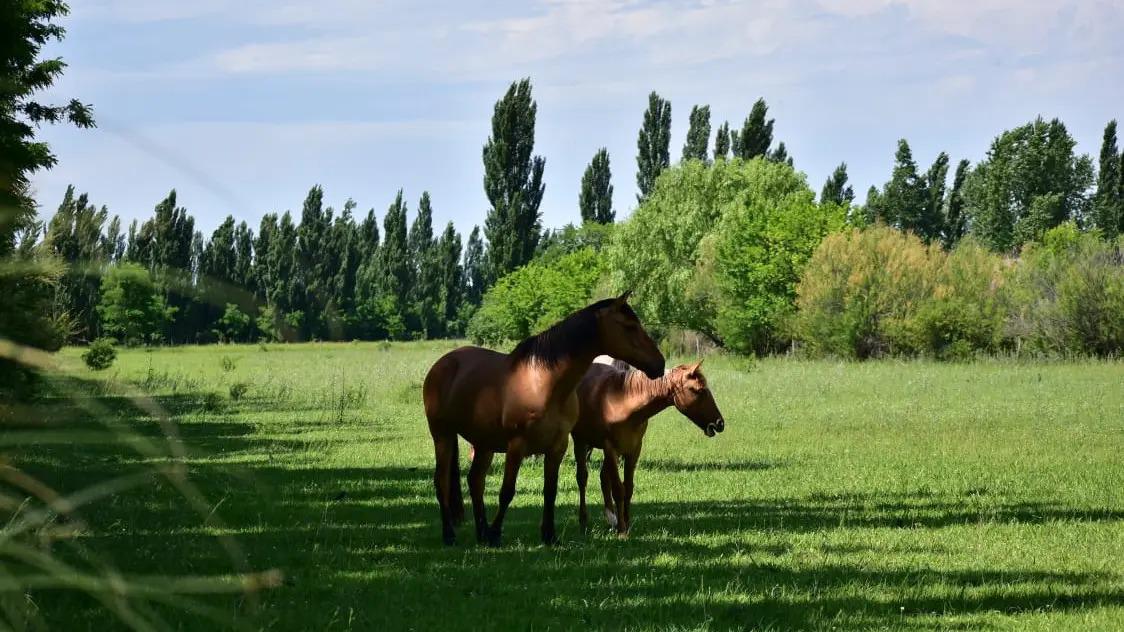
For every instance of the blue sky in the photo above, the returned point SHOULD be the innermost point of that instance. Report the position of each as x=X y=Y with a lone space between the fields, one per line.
x=242 y=106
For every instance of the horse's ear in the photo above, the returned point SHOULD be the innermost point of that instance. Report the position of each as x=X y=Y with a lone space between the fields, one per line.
x=695 y=367
x=623 y=298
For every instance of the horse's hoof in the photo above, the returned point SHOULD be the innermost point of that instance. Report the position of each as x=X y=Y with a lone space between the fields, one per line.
x=495 y=537
x=550 y=539
x=611 y=518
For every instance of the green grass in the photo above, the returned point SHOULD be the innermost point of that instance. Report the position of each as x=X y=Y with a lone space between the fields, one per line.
x=889 y=495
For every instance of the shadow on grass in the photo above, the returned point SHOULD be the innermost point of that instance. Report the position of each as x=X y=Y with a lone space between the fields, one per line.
x=360 y=545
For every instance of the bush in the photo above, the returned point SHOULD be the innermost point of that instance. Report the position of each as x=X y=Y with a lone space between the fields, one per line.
x=536 y=296
x=100 y=354
x=859 y=291
x=238 y=390
x=1069 y=295
x=132 y=305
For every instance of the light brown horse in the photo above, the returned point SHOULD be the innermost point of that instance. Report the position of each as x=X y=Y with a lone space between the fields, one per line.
x=614 y=409
x=521 y=403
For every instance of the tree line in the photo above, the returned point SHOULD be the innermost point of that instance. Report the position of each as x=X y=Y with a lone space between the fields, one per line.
x=325 y=274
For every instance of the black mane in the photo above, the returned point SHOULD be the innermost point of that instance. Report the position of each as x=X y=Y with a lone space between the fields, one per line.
x=561 y=339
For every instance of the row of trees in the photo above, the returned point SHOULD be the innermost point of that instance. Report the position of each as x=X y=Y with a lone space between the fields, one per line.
x=324 y=275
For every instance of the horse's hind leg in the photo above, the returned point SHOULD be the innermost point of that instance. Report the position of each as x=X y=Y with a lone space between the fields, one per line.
x=456 y=496
x=444 y=448
x=581 y=454
x=477 y=472
x=611 y=488
x=513 y=460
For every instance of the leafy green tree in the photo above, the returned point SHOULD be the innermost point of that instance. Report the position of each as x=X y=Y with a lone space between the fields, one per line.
x=27 y=27
x=475 y=269
x=132 y=305
x=282 y=259
x=596 y=198
x=762 y=240
x=836 y=190
x=234 y=325
x=512 y=182
x=756 y=134
x=1036 y=160
x=1108 y=204
x=535 y=297
x=931 y=225
x=451 y=274
x=568 y=239
x=386 y=278
x=263 y=280
x=74 y=235
x=780 y=154
x=903 y=199
x=710 y=236
x=653 y=146
x=698 y=134
x=955 y=223
x=346 y=243
x=424 y=293
x=244 y=257
x=722 y=142
x=312 y=276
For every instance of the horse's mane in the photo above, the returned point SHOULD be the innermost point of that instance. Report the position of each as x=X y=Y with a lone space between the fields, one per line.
x=564 y=337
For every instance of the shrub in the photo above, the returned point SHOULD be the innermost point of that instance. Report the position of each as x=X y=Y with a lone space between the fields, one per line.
x=859 y=290
x=100 y=354
x=228 y=364
x=1069 y=295
x=238 y=390
x=132 y=305
x=535 y=296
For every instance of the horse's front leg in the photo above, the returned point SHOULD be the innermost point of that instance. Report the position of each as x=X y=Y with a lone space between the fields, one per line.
x=481 y=463
x=514 y=458
x=553 y=462
x=630 y=461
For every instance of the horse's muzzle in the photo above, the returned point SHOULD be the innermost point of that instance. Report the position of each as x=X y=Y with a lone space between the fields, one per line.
x=715 y=427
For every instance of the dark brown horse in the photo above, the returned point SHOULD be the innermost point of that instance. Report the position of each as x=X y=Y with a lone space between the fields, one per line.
x=521 y=403
x=615 y=407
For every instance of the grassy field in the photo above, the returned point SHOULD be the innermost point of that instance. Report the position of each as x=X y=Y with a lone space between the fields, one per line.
x=890 y=495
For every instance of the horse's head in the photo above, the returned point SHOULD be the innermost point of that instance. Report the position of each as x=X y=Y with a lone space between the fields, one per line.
x=622 y=336
x=694 y=399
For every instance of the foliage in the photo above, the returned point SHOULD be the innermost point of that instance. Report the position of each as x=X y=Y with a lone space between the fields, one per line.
x=836 y=190
x=1108 y=203
x=132 y=306
x=595 y=201
x=234 y=325
x=535 y=297
x=756 y=134
x=100 y=354
x=653 y=145
x=1070 y=295
x=1030 y=182
x=762 y=242
x=859 y=290
x=513 y=182
x=711 y=236
x=698 y=134
x=722 y=142
x=568 y=239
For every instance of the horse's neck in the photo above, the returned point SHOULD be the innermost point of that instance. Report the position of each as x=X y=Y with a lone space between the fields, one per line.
x=646 y=397
x=569 y=372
